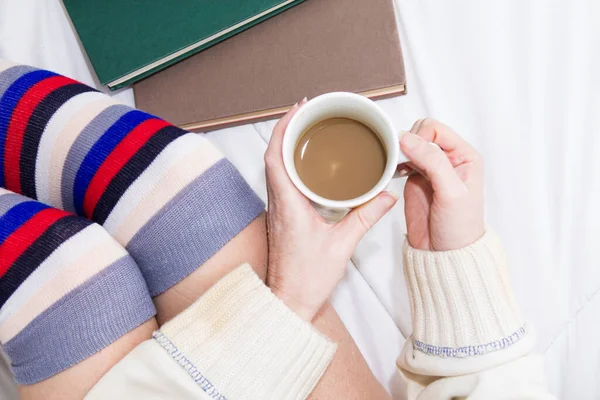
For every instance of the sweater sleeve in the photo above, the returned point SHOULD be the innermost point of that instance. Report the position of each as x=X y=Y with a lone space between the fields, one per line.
x=469 y=338
x=237 y=341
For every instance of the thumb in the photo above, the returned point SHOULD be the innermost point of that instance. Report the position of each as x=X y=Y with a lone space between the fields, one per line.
x=354 y=225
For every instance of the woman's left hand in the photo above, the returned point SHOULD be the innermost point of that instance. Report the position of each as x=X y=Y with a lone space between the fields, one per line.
x=307 y=255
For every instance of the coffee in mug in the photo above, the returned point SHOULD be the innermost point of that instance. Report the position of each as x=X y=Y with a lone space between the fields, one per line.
x=340 y=158
x=346 y=117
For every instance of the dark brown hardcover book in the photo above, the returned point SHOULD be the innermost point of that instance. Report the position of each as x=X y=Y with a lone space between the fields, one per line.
x=316 y=47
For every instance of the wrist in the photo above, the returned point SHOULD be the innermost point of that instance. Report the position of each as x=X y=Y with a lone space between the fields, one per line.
x=446 y=238
x=456 y=242
x=307 y=313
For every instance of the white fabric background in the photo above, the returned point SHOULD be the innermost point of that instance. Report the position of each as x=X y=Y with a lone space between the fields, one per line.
x=519 y=80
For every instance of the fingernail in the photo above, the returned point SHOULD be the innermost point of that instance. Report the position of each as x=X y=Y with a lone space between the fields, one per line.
x=404 y=171
x=417 y=125
x=410 y=140
x=295 y=105
x=388 y=201
x=304 y=100
x=393 y=194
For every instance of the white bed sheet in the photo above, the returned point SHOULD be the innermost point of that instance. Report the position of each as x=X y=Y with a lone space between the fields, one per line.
x=517 y=79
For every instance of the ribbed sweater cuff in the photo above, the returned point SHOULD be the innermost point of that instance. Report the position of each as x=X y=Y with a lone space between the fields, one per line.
x=461 y=301
x=240 y=341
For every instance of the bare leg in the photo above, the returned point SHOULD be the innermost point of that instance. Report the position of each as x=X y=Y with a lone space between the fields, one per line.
x=249 y=246
x=348 y=377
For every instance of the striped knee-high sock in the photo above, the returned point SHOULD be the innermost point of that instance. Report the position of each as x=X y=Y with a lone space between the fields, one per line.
x=167 y=195
x=67 y=288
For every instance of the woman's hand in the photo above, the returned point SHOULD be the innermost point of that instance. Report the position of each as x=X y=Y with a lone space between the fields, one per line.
x=307 y=255
x=443 y=203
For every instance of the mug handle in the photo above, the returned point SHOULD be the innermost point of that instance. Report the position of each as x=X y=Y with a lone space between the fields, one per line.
x=402 y=158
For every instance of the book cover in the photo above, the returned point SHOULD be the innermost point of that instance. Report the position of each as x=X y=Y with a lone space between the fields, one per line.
x=318 y=46
x=127 y=40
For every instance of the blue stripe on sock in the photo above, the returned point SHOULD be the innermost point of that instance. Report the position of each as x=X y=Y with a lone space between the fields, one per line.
x=9 y=101
x=17 y=216
x=101 y=149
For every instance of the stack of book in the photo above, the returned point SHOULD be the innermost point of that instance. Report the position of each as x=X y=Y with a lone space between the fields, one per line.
x=183 y=69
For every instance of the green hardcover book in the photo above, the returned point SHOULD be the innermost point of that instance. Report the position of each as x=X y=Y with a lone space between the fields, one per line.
x=127 y=40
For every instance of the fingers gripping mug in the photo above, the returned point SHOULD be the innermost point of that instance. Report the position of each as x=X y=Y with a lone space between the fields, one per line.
x=348 y=106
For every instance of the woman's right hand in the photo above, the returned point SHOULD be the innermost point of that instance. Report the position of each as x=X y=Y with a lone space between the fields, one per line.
x=443 y=202
x=307 y=255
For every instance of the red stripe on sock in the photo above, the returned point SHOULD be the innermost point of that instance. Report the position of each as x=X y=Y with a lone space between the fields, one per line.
x=18 y=124
x=117 y=159
x=25 y=235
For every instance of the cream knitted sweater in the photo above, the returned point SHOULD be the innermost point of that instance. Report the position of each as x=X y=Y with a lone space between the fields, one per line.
x=238 y=341
x=469 y=338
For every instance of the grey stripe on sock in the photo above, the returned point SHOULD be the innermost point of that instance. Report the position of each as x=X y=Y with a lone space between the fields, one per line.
x=193 y=226
x=89 y=318
x=9 y=200
x=84 y=142
x=10 y=75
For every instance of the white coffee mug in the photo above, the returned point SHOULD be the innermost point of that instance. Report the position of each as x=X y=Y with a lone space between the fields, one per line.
x=342 y=105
